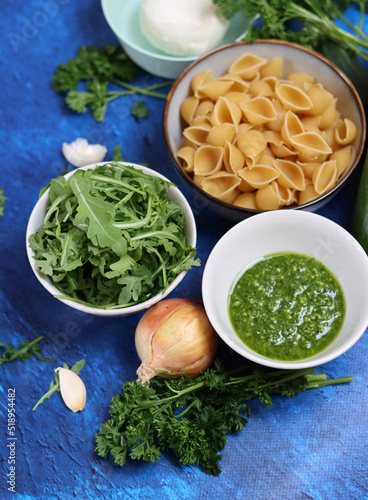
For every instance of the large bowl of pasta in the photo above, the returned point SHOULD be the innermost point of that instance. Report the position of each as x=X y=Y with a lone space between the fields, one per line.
x=269 y=125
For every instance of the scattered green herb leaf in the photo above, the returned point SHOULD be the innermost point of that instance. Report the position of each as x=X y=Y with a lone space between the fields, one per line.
x=23 y=352
x=2 y=202
x=192 y=417
x=98 y=68
x=140 y=110
x=111 y=237
x=117 y=153
x=55 y=385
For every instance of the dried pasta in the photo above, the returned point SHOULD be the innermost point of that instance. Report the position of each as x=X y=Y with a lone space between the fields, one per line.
x=262 y=140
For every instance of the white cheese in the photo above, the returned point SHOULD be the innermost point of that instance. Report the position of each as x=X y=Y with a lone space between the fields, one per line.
x=182 y=27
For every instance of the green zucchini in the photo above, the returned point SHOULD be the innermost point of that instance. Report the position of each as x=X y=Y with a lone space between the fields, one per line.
x=359 y=226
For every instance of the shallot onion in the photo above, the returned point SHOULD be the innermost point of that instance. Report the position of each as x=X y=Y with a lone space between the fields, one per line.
x=174 y=337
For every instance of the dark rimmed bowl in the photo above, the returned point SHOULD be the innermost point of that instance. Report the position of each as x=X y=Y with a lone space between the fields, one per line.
x=296 y=58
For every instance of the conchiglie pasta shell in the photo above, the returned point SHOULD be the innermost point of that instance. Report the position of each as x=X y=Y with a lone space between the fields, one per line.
x=237 y=97
x=307 y=195
x=199 y=79
x=247 y=66
x=287 y=195
x=291 y=174
x=310 y=122
x=272 y=82
x=292 y=126
x=265 y=161
x=310 y=144
x=199 y=120
x=274 y=67
x=197 y=134
x=214 y=89
x=293 y=98
x=282 y=151
x=219 y=134
x=259 y=176
x=308 y=168
x=260 y=88
x=251 y=143
x=324 y=177
x=204 y=108
x=186 y=154
x=268 y=198
x=188 y=108
x=258 y=110
x=342 y=157
x=246 y=200
x=233 y=158
x=329 y=116
x=208 y=159
x=320 y=98
x=345 y=131
x=300 y=79
x=197 y=179
x=276 y=123
x=222 y=185
x=225 y=111
x=239 y=85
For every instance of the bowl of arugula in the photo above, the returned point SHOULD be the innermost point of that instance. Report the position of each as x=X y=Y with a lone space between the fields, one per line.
x=111 y=239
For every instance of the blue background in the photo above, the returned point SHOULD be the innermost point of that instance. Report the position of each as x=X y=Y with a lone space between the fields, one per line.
x=311 y=447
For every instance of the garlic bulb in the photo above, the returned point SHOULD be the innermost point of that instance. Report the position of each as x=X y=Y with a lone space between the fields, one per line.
x=174 y=337
x=72 y=389
x=79 y=153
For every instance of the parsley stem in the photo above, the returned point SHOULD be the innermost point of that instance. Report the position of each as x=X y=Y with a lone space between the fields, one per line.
x=138 y=90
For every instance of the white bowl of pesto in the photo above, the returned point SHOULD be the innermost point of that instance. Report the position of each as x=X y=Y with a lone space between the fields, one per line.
x=102 y=238
x=287 y=289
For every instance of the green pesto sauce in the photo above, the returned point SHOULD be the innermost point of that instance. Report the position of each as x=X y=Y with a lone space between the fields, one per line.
x=287 y=306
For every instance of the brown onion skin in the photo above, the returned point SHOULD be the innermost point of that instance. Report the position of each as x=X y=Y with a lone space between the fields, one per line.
x=157 y=332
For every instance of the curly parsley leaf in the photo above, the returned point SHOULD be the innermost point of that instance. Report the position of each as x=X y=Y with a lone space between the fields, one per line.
x=193 y=417
x=101 y=70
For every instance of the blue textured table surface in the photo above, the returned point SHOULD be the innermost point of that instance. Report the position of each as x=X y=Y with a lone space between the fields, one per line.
x=311 y=447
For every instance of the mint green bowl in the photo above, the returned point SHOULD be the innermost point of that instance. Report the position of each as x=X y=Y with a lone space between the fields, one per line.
x=123 y=19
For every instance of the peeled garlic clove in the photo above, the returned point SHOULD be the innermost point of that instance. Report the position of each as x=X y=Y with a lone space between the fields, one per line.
x=72 y=389
x=79 y=153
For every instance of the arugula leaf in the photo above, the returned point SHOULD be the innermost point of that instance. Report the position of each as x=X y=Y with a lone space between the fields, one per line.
x=2 y=202
x=111 y=237
x=55 y=384
x=192 y=417
x=99 y=69
x=23 y=352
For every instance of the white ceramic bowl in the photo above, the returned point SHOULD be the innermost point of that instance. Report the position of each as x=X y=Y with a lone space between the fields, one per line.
x=36 y=220
x=295 y=58
x=288 y=231
x=123 y=18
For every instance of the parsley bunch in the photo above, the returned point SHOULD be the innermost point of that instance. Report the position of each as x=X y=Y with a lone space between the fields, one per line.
x=98 y=68
x=111 y=237
x=192 y=417
x=314 y=18
x=310 y=23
